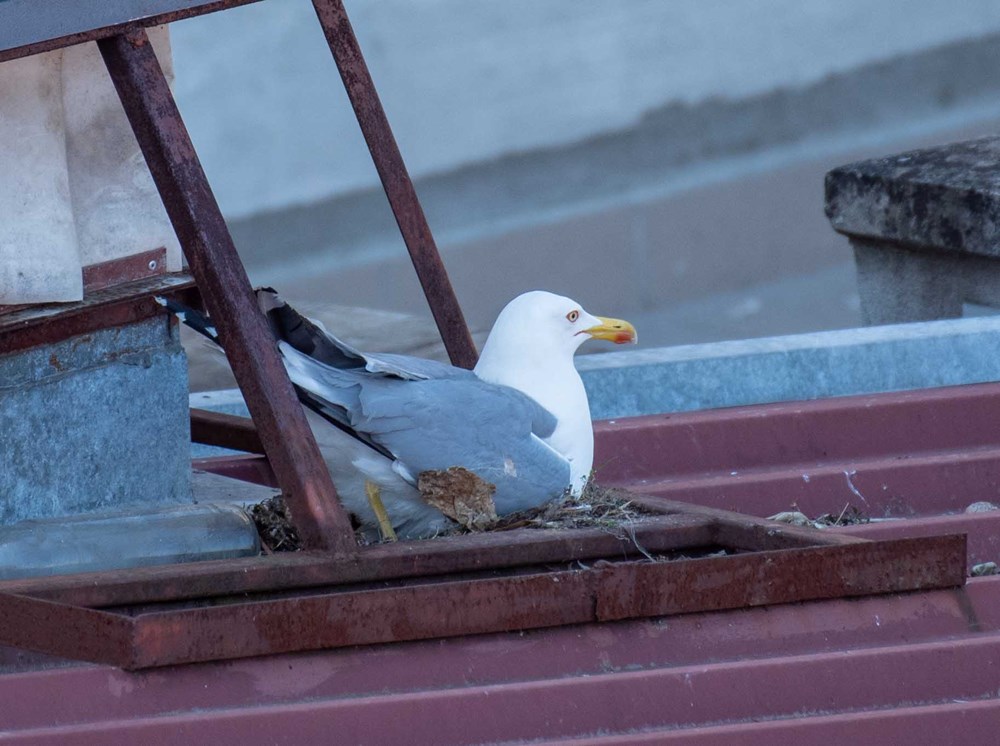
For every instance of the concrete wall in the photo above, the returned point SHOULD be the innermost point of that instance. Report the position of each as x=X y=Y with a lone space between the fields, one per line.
x=638 y=155
x=466 y=83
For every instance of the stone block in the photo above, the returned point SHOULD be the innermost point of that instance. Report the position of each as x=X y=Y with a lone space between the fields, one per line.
x=925 y=227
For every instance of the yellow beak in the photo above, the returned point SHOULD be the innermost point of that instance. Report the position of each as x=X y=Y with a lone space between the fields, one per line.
x=613 y=330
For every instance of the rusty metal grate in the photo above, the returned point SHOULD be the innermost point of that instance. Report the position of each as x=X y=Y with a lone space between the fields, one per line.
x=338 y=594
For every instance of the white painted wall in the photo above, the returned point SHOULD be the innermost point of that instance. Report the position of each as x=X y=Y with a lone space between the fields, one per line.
x=465 y=81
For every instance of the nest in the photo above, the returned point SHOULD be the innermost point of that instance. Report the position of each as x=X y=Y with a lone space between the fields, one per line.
x=848 y=516
x=598 y=507
x=274 y=524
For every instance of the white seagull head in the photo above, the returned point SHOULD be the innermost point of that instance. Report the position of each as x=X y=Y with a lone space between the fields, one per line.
x=539 y=325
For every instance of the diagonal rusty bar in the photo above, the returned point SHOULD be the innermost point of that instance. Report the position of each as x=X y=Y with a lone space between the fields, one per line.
x=396 y=181
x=216 y=266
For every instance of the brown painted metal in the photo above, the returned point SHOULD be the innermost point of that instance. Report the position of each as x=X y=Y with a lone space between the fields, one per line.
x=379 y=615
x=225 y=431
x=113 y=272
x=396 y=182
x=202 y=231
x=806 y=661
x=982 y=531
x=251 y=468
x=886 y=455
x=745 y=532
x=114 y=306
x=125 y=269
x=762 y=578
x=806 y=433
x=46 y=45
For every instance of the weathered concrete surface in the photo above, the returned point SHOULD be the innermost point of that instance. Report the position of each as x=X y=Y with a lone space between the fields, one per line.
x=37 y=246
x=96 y=422
x=925 y=228
x=898 y=285
x=468 y=84
x=945 y=198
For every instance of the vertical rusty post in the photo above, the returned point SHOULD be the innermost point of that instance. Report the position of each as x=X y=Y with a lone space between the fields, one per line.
x=396 y=182
x=216 y=266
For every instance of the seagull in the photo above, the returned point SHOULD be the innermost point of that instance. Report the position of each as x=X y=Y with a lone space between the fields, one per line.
x=520 y=421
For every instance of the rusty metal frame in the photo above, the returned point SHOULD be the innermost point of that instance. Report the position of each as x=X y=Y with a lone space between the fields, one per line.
x=457 y=586
x=337 y=594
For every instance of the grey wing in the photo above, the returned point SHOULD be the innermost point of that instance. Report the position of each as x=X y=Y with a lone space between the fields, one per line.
x=494 y=431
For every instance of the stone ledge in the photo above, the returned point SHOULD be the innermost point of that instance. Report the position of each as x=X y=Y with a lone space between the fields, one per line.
x=945 y=198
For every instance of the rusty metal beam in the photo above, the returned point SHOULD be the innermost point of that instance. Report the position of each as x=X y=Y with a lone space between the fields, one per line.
x=605 y=592
x=396 y=182
x=208 y=246
x=761 y=578
x=124 y=269
x=67 y=631
x=225 y=431
x=365 y=617
x=114 y=306
x=288 y=571
x=405 y=592
x=248 y=468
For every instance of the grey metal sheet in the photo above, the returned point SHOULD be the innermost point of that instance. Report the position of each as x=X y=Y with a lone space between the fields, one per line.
x=29 y=22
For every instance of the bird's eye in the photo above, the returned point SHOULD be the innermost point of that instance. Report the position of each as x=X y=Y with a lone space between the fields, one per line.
x=573 y=316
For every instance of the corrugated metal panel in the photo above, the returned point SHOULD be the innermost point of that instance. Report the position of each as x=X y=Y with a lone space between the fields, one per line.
x=811 y=669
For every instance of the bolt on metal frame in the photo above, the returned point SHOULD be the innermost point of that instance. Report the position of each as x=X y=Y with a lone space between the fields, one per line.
x=337 y=593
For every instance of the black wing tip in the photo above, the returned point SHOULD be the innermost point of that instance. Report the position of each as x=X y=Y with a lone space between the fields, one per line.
x=190 y=317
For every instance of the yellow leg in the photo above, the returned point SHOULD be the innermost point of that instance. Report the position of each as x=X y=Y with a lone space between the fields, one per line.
x=375 y=500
